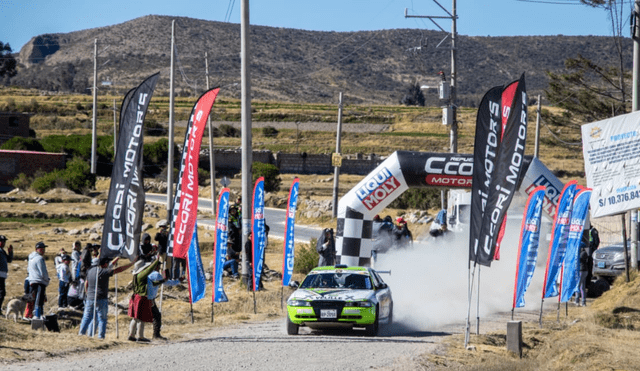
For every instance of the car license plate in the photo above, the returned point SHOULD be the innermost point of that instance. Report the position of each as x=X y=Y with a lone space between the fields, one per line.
x=600 y=264
x=328 y=313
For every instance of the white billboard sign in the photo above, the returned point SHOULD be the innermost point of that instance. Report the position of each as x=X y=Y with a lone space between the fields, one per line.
x=611 y=150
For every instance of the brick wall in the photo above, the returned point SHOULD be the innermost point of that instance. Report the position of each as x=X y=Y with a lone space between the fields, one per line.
x=13 y=163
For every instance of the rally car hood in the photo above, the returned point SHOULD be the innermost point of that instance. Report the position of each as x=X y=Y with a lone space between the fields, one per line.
x=331 y=294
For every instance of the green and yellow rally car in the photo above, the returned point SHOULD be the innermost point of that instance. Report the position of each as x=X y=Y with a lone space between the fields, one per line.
x=340 y=297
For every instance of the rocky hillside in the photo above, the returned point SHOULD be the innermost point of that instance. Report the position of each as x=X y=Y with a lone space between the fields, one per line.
x=296 y=65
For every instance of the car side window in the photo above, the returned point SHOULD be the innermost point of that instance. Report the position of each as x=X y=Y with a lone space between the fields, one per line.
x=378 y=278
x=372 y=274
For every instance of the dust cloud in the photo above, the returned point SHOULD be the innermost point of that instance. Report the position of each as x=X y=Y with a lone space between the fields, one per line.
x=429 y=281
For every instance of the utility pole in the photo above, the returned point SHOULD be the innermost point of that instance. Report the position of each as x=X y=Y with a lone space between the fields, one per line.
x=171 y=118
x=212 y=162
x=247 y=154
x=336 y=169
x=94 y=130
x=451 y=103
x=635 y=35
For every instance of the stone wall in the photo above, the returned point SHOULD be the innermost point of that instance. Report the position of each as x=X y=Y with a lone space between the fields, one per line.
x=293 y=163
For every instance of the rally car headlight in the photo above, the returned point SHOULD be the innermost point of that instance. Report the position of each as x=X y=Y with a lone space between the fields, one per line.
x=363 y=304
x=298 y=303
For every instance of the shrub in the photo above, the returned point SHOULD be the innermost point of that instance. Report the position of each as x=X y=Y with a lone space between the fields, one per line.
x=23 y=144
x=270 y=173
x=77 y=176
x=154 y=128
x=270 y=131
x=225 y=130
x=46 y=182
x=306 y=257
x=22 y=181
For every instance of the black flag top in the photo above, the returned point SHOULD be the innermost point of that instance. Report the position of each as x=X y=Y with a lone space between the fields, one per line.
x=497 y=168
x=125 y=205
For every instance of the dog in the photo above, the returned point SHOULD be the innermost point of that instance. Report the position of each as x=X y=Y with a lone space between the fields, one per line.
x=17 y=306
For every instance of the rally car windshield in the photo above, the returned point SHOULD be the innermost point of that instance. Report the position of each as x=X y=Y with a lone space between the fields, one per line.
x=337 y=280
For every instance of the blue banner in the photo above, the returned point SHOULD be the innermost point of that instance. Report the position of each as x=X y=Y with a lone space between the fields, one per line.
x=529 y=241
x=220 y=246
x=571 y=269
x=197 y=281
x=258 y=239
x=559 y=235
x=289 y=241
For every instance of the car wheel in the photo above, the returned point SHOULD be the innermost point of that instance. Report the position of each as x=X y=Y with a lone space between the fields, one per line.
x=372 y=329
x=292 y=328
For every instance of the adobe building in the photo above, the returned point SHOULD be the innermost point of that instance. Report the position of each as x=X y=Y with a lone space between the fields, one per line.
x=12 y=162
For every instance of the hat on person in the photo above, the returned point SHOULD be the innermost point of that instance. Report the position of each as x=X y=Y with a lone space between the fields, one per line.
x=2 y=237
x=140 y=265
x=400 y=220
x=40 y=245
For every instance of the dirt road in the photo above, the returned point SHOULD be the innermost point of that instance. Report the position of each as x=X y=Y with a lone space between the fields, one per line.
x=265 y=346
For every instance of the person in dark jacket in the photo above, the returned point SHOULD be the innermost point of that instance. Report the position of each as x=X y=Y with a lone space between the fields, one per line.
x=326 y=248
x=583 y=261
x=6 y=256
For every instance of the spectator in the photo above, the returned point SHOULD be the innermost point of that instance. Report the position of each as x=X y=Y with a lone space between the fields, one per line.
x=402 y=234
x=161 y=238
x=38 y=278
x=583 y=266
x=593 y=239
x=97 y=289
x=64 y=279
x=6 y=257
x=231 y=263
x=58 y=258
x=154 y=280
x=381 y=233
x=140 y=305
x=75 y=260
x=326 y=248
x=147 y=250
x=439 y=224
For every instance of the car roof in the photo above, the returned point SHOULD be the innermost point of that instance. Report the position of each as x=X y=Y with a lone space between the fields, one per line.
x=331 y=268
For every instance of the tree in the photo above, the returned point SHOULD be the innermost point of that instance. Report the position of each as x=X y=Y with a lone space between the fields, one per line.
x=589 y=92
x=414 y=96
x=7 y=61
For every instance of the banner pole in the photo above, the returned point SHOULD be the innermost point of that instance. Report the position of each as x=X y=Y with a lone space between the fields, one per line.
x=115 y=305
x=164 y=267
x=95 y=299
x=254 y=302
x=468 y=325
x=541 y=306
x=191 y=305
x=212 y=312
x=512 y=310
x=478 y=305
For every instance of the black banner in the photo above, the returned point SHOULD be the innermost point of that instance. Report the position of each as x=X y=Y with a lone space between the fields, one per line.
x=125 y=205
x=485 y=153
x=508 y=172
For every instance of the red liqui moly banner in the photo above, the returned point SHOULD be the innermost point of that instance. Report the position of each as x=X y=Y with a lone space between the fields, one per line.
x=185 y=202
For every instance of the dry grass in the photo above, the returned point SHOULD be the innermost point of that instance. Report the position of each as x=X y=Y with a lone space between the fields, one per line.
x=601 y=336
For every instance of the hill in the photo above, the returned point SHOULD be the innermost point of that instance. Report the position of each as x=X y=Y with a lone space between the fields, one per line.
x=290 y=65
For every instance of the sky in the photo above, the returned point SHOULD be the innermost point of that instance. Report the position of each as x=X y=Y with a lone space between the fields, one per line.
x=20 y=20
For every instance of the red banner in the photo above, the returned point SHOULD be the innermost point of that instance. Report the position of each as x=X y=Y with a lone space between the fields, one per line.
x=185 y=204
